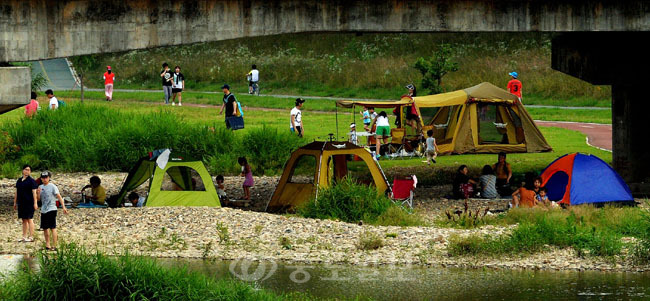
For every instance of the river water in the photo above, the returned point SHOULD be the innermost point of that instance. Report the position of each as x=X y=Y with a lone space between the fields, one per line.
x=422 y=283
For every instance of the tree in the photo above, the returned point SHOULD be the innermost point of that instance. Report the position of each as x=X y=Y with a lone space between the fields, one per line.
x=83 y=65
x=434 y=68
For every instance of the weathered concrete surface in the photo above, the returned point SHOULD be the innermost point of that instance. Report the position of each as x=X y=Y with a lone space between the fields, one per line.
x=43 y=29
x=15 y=86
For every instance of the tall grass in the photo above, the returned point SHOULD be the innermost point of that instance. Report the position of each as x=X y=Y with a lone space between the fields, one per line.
x=586 y=229
x=75 y=274
x=86 y=137
x=346 y=65
x=352 y=202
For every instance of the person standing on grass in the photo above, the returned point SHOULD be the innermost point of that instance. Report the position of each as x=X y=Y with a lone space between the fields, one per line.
x=247 y=173
x=166 y=76
x=296 y=118
x=53 y=103
x=109 y=78
x=32 y=107
x=382 y=132
x=253 y=77
x=178 y=85
x=229 y=103
x=25 y=202
x=432 y=148
x=514 y=85
x=504 y=174
x=48 y=194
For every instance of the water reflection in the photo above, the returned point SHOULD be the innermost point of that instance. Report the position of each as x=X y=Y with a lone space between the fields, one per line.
x=421 y=283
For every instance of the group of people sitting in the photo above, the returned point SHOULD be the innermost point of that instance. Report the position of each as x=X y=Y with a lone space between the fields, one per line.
x=494 y=182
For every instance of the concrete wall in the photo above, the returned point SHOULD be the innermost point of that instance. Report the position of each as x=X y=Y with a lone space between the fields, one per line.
x=42 y=29
x=15 y=87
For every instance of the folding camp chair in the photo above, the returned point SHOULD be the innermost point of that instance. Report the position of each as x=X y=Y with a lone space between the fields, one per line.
x=403 y=191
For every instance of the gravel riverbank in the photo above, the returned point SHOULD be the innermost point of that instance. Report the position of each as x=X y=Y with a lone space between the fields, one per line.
x=226 y=233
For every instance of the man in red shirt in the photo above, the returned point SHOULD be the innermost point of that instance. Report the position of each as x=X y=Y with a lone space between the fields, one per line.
x=514 y=85
x=109 y=77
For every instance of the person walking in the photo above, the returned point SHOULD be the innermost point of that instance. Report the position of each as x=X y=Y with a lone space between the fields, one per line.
x=296 y=118
x=32 y=107
x=166 y=76
x=229 y=103
x=514 y=85
x=178 y=85
x=25 y=203
x=109 y=78
x=247 y=173
x=53 y=102
x=48 y=194
x=253 y=77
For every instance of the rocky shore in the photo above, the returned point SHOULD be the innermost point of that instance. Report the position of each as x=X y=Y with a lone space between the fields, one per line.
x=227 y=233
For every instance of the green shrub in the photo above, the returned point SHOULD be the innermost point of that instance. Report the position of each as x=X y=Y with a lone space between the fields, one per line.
x=75 y=274
x=399 y=216
x=347 y=201
x=369 y=241
x=10 y=170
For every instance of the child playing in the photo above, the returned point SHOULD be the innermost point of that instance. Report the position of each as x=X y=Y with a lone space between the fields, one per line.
x=432 y=148
x=248 y=175
x=542 y=198
x=221 y=189
x=353 y=134
x=48 y=193
x=97 y=191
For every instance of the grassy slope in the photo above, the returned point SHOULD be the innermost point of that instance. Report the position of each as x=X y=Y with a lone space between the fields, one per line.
x=345 y=65
x=319 y=125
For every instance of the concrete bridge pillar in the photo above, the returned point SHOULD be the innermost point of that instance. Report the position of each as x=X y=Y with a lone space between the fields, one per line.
x=15 y=87
x=619 y=60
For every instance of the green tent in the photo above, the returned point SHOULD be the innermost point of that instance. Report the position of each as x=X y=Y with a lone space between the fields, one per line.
x=183 y=182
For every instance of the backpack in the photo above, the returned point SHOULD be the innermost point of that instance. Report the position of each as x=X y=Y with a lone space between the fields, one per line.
x=61 y=103
x=240 y=112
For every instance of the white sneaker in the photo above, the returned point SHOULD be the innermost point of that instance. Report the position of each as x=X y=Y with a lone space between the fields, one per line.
x=173 y=103
x=180 y=104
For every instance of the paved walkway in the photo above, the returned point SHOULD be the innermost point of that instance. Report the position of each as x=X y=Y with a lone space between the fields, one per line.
x=57 y=73
x=598 y=135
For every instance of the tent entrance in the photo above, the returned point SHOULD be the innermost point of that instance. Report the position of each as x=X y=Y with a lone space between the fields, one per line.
x=498 y=124
x=182 y=178
x=557 y=185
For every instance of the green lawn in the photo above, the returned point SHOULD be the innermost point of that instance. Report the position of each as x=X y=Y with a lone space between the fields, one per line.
x=319 y=125
x=550 y=114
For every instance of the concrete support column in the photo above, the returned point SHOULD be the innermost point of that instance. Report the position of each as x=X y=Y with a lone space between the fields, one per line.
x=630 y=116
x=15 y=87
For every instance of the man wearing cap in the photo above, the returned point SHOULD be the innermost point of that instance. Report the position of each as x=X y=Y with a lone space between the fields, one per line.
x=109 y=77
x=296 y=118
x=514 y=85
x=229 y=103
x=48 y=194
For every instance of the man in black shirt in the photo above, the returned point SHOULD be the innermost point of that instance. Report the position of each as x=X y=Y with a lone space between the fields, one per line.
x=229 y=103
x=167 y=77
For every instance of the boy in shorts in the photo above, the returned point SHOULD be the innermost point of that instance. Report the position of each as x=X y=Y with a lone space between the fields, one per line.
x=48 y=194
x=432 y=148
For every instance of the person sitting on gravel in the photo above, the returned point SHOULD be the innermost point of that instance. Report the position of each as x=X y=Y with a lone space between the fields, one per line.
x=463 y=186
x=97 y=191
x=488 y=183
x=135 y=199
x=525 y=195
x=221 y=189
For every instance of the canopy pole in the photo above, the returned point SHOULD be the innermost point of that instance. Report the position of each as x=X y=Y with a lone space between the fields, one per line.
x=337 y=122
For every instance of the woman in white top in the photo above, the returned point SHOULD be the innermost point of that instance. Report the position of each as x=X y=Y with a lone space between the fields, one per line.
x=382 y=131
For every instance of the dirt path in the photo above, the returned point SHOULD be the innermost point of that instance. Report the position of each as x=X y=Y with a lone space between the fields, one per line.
x=598 y=135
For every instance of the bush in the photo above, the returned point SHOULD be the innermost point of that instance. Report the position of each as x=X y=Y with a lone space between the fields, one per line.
x=347 y=201
x=84 y=137
x=75 y=274
x=399 y=216
x=369 y=241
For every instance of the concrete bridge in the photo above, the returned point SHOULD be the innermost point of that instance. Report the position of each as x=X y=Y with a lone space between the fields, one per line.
x=599 y=41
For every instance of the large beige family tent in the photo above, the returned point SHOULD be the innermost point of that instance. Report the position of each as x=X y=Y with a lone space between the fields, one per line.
x=479 y=119
x=182 y=181
x=319 y=165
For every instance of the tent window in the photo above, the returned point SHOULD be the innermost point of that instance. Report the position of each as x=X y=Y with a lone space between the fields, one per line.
x=303 y=171
x=492 y=126
x=182 y=178
x=428 y=114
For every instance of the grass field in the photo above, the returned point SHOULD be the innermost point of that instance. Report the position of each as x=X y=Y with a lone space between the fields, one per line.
x=319 y=125
x=323 y=105
x=349 y=65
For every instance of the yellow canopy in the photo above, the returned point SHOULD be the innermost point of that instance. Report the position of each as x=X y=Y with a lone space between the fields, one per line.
x=375 y=104
x=483 y=92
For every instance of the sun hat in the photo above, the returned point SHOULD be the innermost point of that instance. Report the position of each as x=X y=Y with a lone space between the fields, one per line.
x=410 y=86
x=513 y=74
x=352 y=125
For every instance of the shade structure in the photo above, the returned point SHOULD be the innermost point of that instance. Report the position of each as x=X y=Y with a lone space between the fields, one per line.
x=575 y=179
x=325 y=163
